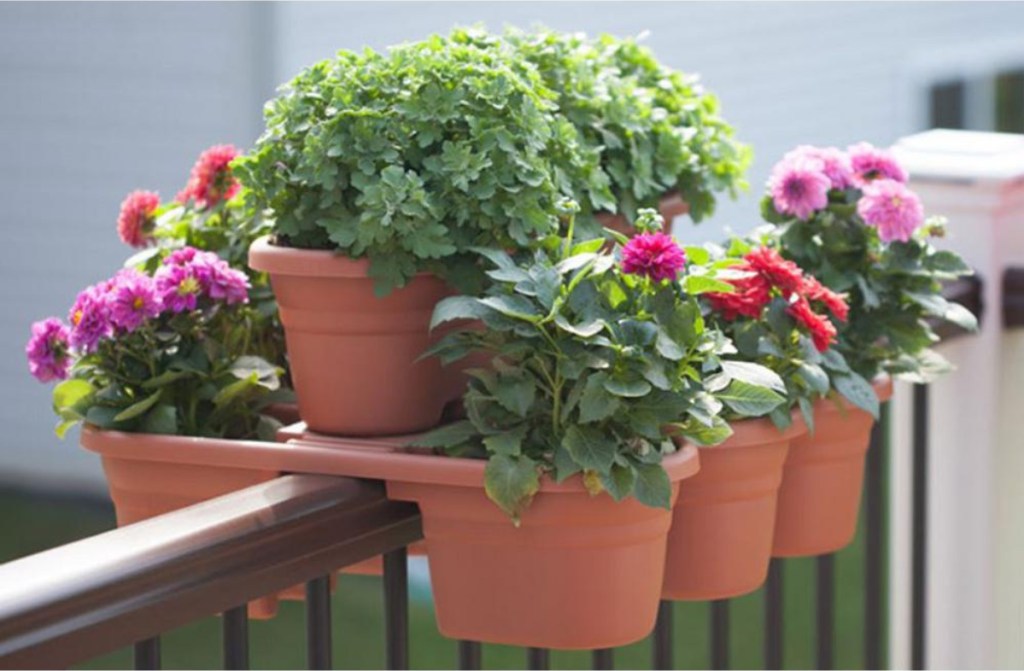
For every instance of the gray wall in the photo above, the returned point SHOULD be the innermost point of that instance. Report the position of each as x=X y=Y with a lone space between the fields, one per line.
x=96 y=100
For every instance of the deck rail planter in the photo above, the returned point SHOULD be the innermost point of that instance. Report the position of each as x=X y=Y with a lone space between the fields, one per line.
x=721 y=538
x=821 y=485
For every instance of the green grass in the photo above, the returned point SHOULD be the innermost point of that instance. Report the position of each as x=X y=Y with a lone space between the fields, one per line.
x=32 y=523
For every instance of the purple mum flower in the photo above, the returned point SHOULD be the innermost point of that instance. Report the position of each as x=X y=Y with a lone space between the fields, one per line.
x=47 y=350
x=178 y=287
x=133 y=300
x=180 y=257
x=653 y=255
x=834 y=163
x=892 y=208
x=221 y=281
x=870 y=163
x=90 y=318
x=799 y=186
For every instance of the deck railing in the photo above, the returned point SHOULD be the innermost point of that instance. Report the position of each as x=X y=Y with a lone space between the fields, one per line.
x=127 y=586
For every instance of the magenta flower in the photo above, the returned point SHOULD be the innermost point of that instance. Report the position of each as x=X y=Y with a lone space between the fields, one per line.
x=180 y=257
x=653 y=255
x=892 y=208
x=228 y=284
x=178 y=287
x=834 y=163
x=799 y=186
x=47 y=350
x=135 y=222
x=211 y=180
x=870 y=163
x=89 y=318
x=133 y=300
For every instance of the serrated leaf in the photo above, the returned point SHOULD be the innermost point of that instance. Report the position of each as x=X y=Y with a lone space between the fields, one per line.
x=162 y=419
x=807 y=411
x=590 y=448
x=586 y=329
x=596 y=402
x=517 y=307
x=449 y=435
x=507 y=443
x=511 y=482
x=619 y=481
x=700 y=434
x=749 y=400
x=653 y=487
x=515 y=394
x=754 y=374
x=857 y=391
x=815 y=377
x=457 y=307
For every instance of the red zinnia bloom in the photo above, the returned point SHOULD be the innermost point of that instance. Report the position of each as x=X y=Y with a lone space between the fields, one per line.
x=823 y=332
x=818 y=292
x=211 y=180
x=653 y=255
x=135 y=222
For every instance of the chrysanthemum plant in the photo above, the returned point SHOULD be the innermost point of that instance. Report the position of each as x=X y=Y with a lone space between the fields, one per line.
x=655 y=130
x=596 y=357
x=167 y=353
x=782 y=319
x=213 y=214
x=849 y=219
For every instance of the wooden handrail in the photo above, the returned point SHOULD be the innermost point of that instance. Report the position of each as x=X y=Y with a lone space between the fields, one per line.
x=87 y=598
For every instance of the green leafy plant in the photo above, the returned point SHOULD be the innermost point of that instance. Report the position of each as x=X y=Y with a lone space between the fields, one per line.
x=862 y=232
x=413 y=157
x=655 y=130
x=593 y=358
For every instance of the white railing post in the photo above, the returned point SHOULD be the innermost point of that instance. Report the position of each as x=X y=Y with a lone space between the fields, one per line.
x=975 y=586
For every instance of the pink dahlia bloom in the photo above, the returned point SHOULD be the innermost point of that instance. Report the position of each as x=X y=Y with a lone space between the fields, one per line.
x=799 y=187
x=178 y=287
x=133 y=300
x=870 y=163
x=180 y=257
x=227 y=284
x=834 y=163
x=135 y=222
x=47 y=350
x=211 y=180
x=653 y=255
x=892 y=208
x=90 y=319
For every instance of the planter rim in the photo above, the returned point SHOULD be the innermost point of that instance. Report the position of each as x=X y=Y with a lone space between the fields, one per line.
x=299 y=262
x=373 y=458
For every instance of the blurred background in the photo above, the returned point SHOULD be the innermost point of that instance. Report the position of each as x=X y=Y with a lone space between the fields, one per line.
x=99 y=99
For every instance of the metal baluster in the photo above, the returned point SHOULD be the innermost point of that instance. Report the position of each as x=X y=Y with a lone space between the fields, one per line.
x=537 y=658
x=919 y=534
x=470 y=655
x=663 y=658
x=604 y=659
x=773 y=625
x=318 y=623
x=826 y=609
x=147 y=653
x=235 y=634
x=396 y=608
x=720 y=634
x=874 y=612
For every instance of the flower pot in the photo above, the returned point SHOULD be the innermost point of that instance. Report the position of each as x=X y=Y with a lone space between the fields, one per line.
x=579 y=572
x=353 y=355
x=141 y=489
x=670 y=206
x=821 y=484
x=721 y=538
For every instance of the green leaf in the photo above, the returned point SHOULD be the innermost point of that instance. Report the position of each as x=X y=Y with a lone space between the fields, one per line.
x=230 y=393
x=696 y=255
x=667 y=347
x=70 y=393
x=701 y=434
x=449 y=435
x=517 y=307
x=748 y=400
x=166 y=378
x=702 y=284
x=653 y=487
x=815 y=377
x=807 y=410
x=627 y=389
x=857 y=391
x=515 y=394
x=754 y=374
x=103 y=417
x=136 y=409
x=938 y=306
x=161 y=419
x=511 y=482
x=619 y=481
x=591 y=448
x=508 y=443
x=597 y=403
x=264 y=373
x=456 y=307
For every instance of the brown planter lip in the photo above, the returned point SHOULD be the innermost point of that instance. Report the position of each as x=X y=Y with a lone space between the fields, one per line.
x=377 y=459
x=296 y=261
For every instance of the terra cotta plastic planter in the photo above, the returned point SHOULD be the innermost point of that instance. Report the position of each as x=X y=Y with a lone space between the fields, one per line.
x=721 y=538
x=580 y=571
x=353 y=356
x=821 y=484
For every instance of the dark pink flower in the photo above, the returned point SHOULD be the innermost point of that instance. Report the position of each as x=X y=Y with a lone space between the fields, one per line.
x=653 y=255
x=133 y=300
x=799 y=186
x=870 y=163
x=180 y=257
x=90 y=318
x=47 y=350
x=211 y=180
x=892 y=208
x=135 y=221
x=178 y=287
x=834 y=163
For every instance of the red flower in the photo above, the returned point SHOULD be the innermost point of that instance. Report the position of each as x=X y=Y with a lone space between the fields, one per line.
x=211 y=180
x=752 y=294
x=817 y=292
x=135 y=221
x=653 y=255
x=783 y=274
x=823 y=333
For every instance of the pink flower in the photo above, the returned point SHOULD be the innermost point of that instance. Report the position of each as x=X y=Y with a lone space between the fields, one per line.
x=228 y=284
x=178 y=287
x=135 y=221
x=799 y=186
x=834 y=163
x=89 y=318
x=892 y=208
x=180 y=257
x=133 y=299
x=870 y=163
x=47 y=350
x=211 y=180
x=653 y=255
